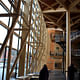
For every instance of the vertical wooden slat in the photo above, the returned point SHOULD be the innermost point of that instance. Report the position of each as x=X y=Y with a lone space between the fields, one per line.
x=23 y=54
x=28 y=54
x=29 y=34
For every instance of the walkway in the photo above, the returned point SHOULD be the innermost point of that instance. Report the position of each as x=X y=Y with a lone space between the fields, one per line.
x=56 y=75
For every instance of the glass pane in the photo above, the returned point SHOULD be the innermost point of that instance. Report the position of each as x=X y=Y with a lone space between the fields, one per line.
x=2 y=10
x=15 y=42
x=6 y=3
x=3 y=33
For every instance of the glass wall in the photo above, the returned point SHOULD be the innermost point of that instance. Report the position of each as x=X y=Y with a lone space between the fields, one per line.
x=35 y=41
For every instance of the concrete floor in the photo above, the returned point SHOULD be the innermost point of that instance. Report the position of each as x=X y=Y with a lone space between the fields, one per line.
x=58 y=75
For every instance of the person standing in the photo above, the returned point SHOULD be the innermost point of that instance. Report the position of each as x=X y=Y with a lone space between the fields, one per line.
x=44 y=74
x=71 y=72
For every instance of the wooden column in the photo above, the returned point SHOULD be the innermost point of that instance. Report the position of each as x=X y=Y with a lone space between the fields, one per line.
x=22 y=57
x=23 y=54
x=9 y=58
x=29 y=35
x=68 y=42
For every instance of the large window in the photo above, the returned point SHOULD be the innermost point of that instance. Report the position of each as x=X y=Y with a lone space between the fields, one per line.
x=3 y=33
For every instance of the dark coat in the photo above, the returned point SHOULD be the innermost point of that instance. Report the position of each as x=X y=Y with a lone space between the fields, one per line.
x=44 y=73
x=71 y=72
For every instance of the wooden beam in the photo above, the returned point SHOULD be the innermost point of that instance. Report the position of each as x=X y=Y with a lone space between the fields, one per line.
x=60 y=17
x=22 y=25
x=8 y=47
x=26 y=22
x=61 y=3
x=23 y=55
x=20 y=51
x=4 y=6
x=52 y=17
x=77 y=21
x=74 y=3
x=12 y=5
x=21 y=29
x=51 y=21
x=75 y=10
x=74 y=17
x=52 y=5
x=9 y=15
x=45 y=4
x=24 y=15
x=9 y=58
x=70 y=1
x=10 y=31
x=29 y=36
x=53 y=11
x=5 y=26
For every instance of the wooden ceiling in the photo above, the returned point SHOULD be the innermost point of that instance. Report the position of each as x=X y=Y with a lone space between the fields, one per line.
x=54 y=12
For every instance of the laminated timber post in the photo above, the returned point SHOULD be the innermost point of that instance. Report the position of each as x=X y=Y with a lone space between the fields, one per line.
x=68 y=42
x=36 y=35
x=11 y=29
x=40 y=50
x=27 y=64
x=29 y=36
x=23 y=54
x=39 y=27
x=32 y=67
x=9 y=58
x=41 y=40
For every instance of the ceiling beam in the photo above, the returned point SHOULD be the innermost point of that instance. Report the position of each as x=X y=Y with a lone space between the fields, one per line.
x=45 y=4
x=78 y=16
x=75 y=10
x=52 y=5
x=52 y=17
x=77 y=21
x=74 y=3
x=51 y=20
x=57 y=10
x=61 y=3
x=70 y=1
x=48 y=22
x=4 y=6
x=60 y=17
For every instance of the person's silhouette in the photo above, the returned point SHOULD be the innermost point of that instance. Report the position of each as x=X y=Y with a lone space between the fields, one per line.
x=79 y=75
x=44 y=73
x=71 y=72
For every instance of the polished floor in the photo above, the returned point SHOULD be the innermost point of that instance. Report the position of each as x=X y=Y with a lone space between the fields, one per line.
x=58 y=75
